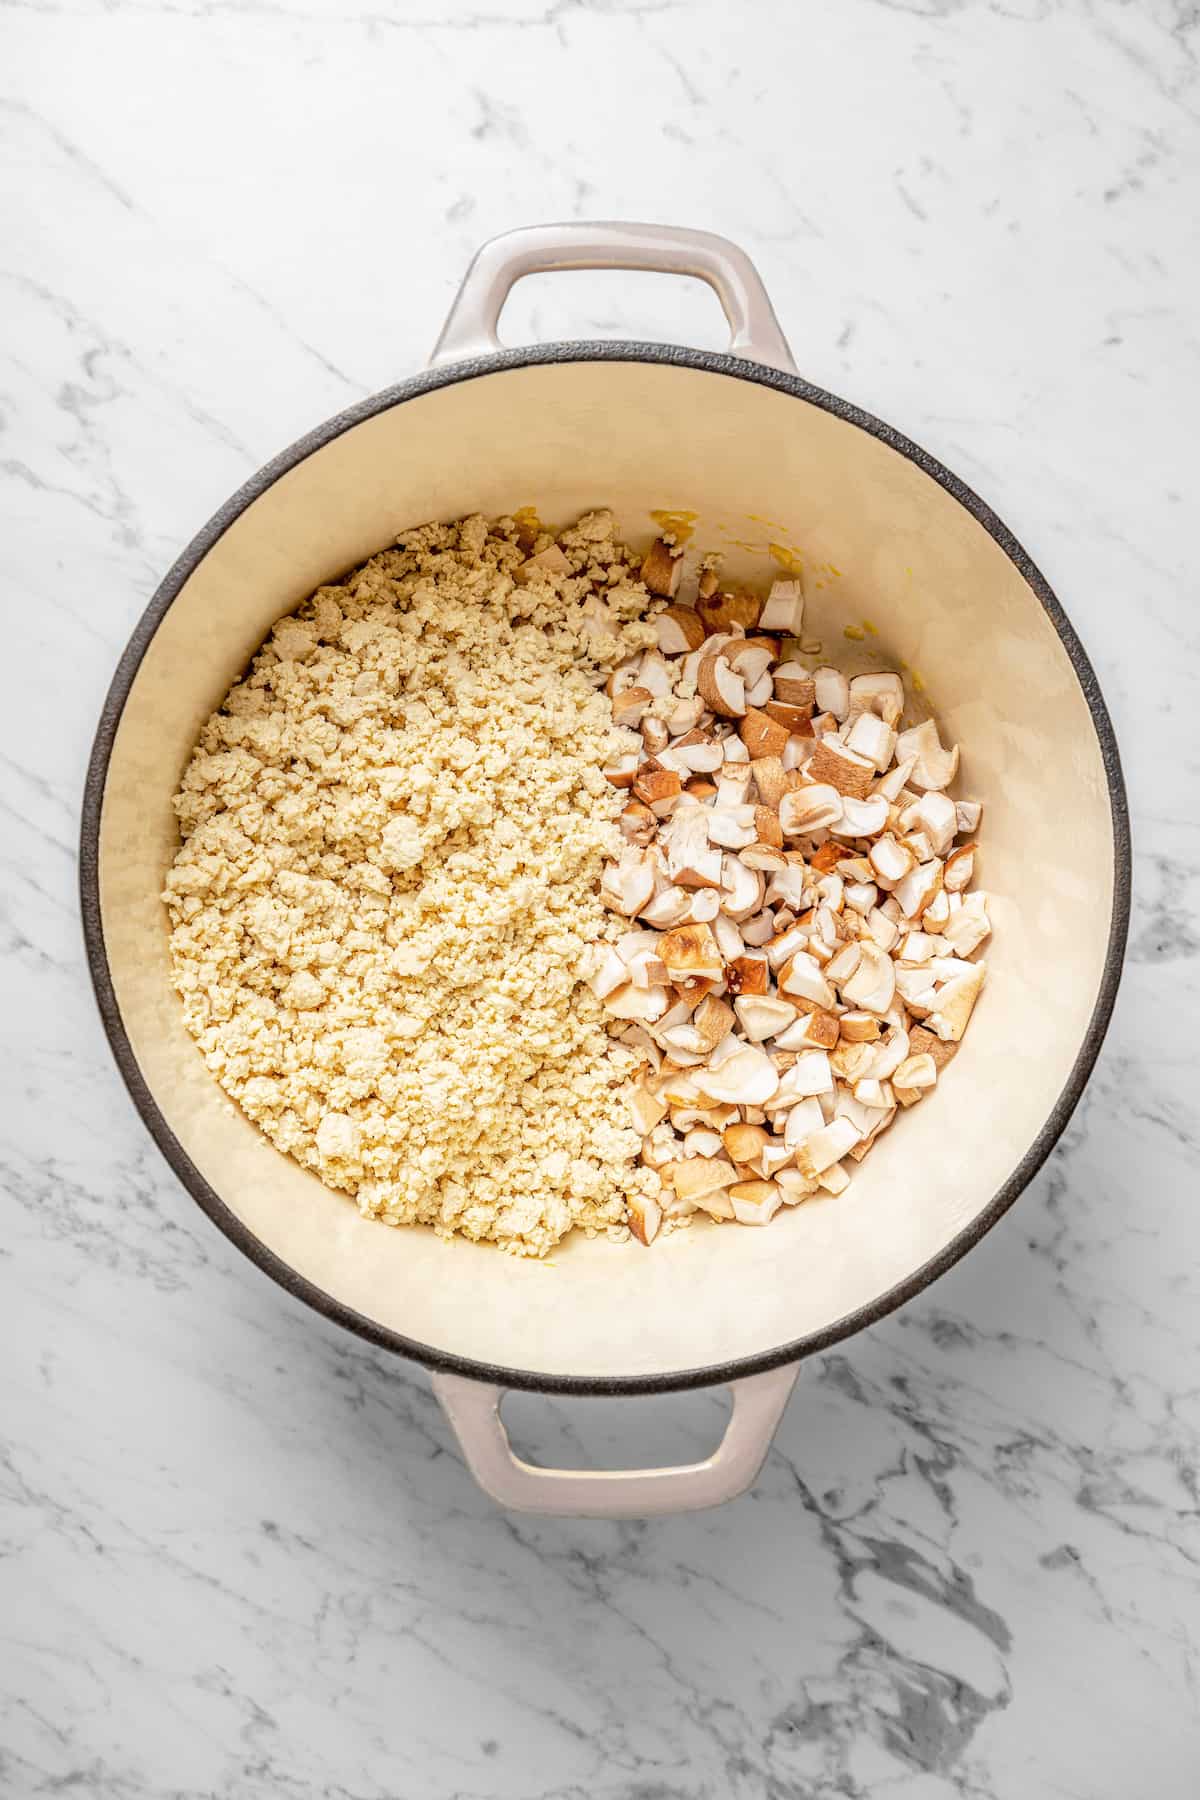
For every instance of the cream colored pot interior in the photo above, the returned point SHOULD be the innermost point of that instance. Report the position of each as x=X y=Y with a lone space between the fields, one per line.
x=887 y=552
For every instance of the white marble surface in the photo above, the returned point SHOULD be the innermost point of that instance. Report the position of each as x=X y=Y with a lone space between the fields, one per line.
x=238 y=1554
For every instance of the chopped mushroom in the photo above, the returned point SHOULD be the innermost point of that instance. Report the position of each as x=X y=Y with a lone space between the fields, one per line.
x=632 y=1002
x=628 y=884
x=890 y=860
x=842 y=768
x=755 y=1202
x=691 y=950
x=747 y=1078
x=873 y=738
x=638 y=824
x=826 y=1147
x=926 y=1043
x=959 y=871
x=668 y=908
x=712 y=1021
x=891 y=785
x=657 y=788
x=873 y=983
x=808 y=1076
x=752 y=658
x=956 y=1002
x=783 y=609
x=863 y=818
x=654 y=734
x=742 y=889
x=721 y=687
x=935 y=815
x=552 y=561
x=832 y=692
x=748 y=974
x=702 y=1140
x=697 y=1177
x=916 y=890
x=808 y=809
x=645 y=1217
x=762 y=735
x=630 y=704
x=794 y=686
x=881 y=693
x=685 y=715
x=623 y=769
x=680 y=629
x=781 y=1005
x=604 y=971
x=662 y=568
x=802 y=978
x=915 y=1072
x=722 y=610
x=966 y=929
x=763 y=1015
x=794 y=1186
x=646 y=1109
x=745 y=1143
x=732 y=827
x=734 y=783
x=815 y=1030
x=692 y=861
x=934 y=767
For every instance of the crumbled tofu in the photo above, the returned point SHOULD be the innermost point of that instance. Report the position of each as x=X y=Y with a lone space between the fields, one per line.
x=393 y=832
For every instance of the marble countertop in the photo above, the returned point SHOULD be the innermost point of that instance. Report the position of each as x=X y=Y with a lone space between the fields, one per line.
x=239 y=1554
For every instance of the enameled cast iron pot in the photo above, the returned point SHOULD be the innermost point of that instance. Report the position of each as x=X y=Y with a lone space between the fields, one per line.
x=739 y=439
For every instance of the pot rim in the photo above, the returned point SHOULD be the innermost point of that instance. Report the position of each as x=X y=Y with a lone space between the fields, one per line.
x=717 y=1374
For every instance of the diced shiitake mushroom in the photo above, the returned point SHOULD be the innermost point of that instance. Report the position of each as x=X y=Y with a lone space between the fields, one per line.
x=783 y=608
x=662 y=568
x=793 y=910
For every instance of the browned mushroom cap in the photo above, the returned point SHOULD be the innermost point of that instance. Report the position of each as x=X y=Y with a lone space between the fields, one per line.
x=638 y=824
x=755 y=1202
x=796 y=720
x=721 y=687
x=794 y=686
x=680 y=630
x=721 y=611
x=842 y=768
x=691 y=950
x=762 y=735
x=657 y=788
x=955 y=1003
x=748 y=974
x=697 y=1177
x=644 y=1216
x=662 y=568
x=630 y=704
x=745 y=1142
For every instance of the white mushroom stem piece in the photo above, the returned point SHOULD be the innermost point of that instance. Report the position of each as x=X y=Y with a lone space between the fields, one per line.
x=934 y=766
x=833 y=692
x=783 y=609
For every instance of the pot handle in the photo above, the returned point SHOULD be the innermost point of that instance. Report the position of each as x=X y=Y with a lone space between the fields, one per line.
x=473 y=1409
x=470 y=328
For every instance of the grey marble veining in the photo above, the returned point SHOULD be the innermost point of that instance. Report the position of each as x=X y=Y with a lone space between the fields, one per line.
x=239 y=1555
